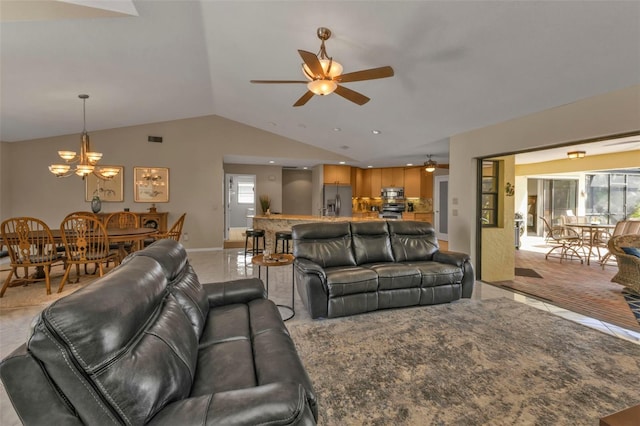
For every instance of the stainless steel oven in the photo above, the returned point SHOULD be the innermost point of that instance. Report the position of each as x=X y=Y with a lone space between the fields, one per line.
x=392 y=193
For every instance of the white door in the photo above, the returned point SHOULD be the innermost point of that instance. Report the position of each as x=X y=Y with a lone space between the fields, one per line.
x=239 y=206
x=441 y=207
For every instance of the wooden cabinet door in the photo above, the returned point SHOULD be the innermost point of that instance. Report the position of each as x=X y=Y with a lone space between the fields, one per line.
x=386 y=177
x=412 y=182
x=337 y=174
x=357 y=182
x=397 y=177
x=426 y=185
x=366 y=183
x=376 y=182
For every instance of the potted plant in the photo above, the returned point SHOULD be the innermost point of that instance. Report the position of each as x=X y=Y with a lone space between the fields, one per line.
x=265 y=204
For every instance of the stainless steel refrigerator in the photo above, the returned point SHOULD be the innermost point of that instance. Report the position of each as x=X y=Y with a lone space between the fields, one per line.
x=337 y=200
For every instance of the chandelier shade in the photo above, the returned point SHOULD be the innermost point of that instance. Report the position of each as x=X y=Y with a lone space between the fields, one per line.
x=86 y=160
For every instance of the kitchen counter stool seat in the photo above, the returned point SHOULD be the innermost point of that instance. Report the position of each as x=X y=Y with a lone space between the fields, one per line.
x=285 y=237
x=255 y=235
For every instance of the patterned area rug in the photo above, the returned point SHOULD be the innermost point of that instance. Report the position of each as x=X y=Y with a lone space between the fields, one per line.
x=634 y=302
x=466 y=363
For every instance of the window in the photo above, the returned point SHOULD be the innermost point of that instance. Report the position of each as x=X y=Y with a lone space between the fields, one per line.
x=489 y=193
x=612 y=197
x=246 y=194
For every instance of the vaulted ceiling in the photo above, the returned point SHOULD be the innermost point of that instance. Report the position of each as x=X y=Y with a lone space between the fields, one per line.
x=459 y=65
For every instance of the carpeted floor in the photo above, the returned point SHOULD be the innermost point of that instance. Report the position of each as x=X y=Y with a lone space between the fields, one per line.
x=471 y=362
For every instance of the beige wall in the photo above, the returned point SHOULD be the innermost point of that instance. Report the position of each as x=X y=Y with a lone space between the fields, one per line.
x=297 y=188
x=268 y=182
x=609 y=114
x=193 y=149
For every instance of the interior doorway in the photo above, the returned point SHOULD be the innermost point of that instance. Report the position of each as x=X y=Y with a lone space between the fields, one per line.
x=441 y=207
x=240 y=206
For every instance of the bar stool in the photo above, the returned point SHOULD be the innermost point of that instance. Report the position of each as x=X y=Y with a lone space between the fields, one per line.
x=255 y=235
x=285 y=237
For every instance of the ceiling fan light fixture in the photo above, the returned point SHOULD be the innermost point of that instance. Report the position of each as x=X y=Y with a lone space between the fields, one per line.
x=322 y=87
x=330 y=68
x=430 y=165
x=576 y=154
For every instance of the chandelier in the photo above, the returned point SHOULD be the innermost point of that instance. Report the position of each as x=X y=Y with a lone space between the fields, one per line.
x=430 y=165
x=332 y=69
x=86 y=160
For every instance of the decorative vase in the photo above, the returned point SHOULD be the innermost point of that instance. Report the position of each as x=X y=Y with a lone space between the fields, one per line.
x=96 y=204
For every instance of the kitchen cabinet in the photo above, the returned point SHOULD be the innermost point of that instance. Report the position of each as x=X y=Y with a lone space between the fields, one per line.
x=413 y=182
x=376 y=182
x=357 y=182
x=366 y=183
x=334 y=174
x=423 y=217
x=392 y=177
x=408 y=216
x=426 y=184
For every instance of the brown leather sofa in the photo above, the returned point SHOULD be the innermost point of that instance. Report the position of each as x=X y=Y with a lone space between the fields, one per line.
x=148 y=344
x=346 y=268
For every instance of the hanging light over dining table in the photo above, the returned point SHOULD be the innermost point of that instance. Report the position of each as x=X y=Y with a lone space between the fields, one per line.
x=85 y=162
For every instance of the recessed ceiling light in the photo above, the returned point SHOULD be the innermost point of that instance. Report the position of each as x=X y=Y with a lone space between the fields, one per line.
x=337 y=129
x=305 y=168
x=342 y=162
x=409 y=164
x=271 y=162
x=376 y=132
x=369 y=167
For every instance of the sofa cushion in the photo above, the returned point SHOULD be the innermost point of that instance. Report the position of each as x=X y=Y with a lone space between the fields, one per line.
x=411 y=240
x=435 y=273
x=350 y=280
x=371 y=242
x=124 y=367
x=396 y=275
x=327 y=245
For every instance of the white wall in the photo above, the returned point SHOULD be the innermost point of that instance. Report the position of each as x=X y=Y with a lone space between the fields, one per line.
x=609 y=114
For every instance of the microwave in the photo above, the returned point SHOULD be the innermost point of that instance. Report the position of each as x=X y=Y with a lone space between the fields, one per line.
x=395 y=192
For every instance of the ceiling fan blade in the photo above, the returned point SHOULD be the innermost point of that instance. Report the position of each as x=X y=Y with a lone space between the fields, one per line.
x=352 y=95
x=278 y=81
x=311 y=60
x=304 y=98
x=370 y=74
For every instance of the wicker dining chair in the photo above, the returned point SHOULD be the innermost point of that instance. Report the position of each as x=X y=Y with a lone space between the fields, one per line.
x=564 y=239
x=30 y=243
x=86 y=241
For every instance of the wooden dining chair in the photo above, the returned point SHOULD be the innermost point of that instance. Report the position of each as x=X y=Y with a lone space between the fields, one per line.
x=123 y=220
x=175 y=232
x=30 y=243
x=86 y=241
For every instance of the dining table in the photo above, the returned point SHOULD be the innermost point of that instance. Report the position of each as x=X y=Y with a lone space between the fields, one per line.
x=591 y=229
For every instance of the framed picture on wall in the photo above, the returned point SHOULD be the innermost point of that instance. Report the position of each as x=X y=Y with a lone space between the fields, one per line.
x=109 y=190
x=151 y=184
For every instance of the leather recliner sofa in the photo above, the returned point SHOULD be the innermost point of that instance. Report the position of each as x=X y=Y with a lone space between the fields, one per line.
x=345 y=268
x=148 y=344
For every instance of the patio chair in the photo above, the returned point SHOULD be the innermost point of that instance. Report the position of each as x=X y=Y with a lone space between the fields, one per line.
x=567 y=241
x=626 y=249
x=624 y=227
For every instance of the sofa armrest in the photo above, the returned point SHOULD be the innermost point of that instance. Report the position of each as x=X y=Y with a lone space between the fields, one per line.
x=463 y=261
x=24 y=379
x=451 y=257
x=273 y=404
x=307 y=266
x=236 y=291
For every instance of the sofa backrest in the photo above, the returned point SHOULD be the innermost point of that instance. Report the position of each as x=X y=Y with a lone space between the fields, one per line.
x=183 y=281
x=412 y=240
x=119 y=349
x=371 y=242
x=327 y=244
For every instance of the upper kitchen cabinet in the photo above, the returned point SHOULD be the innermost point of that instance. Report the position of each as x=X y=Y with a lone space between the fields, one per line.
x=426 y=184
x=413 y=182
x=357 y=182
x=392 y=177
x=375 y=176
x=337 y=175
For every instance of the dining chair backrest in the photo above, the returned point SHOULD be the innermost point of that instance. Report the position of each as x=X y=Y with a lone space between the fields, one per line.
x=29 y=241
x=85 y=239
x=626 y=227
x=176 y=230
x=122 y=220
x=83 y=213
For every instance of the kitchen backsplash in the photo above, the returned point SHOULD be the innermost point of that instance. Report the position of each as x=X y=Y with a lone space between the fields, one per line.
x=365 y=204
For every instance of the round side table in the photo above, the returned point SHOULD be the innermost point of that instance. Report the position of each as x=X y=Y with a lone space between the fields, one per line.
x=277 y=259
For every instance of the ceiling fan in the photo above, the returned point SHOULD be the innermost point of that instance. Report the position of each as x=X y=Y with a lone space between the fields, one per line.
x=324 y=75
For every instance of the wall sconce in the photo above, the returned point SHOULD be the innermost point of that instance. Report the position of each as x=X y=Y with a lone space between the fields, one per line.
x=576 y=154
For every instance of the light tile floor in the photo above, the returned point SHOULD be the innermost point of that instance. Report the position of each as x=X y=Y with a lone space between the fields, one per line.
x=228 y=264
